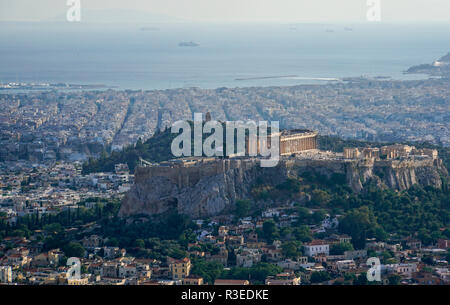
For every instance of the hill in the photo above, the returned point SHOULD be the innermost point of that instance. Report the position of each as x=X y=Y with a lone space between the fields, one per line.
x=432 y=69
x=445 y=58
x=157 y=149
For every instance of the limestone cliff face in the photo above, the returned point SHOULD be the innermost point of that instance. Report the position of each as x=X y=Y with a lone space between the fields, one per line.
x=203 y=190
x=402 y=175
x=211 y=187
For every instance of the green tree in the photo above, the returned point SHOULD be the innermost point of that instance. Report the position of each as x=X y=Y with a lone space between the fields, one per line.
x=358 y=223
x=339 y=249
x=53 y=228
x=319 y=276
x=394 y=279
x=139 y=243
x=208 y=270
x=361 y=279
x=319 y=216
x=73 y=249
x=320 y=197
x=112 y=242
x=243 y=208
x=304 y=216
x=257 y=273
x=290 y=249
x=302 y=233
x=270 y=230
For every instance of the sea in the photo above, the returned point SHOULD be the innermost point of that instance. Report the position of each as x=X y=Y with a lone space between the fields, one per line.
x=149 y=56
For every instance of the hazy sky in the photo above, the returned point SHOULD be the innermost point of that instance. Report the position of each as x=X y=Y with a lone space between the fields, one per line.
x=240 y=10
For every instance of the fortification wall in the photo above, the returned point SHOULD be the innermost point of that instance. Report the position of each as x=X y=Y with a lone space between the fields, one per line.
x=190 y=175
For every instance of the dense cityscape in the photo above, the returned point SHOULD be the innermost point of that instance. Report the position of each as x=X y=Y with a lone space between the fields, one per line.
x=77 y=125
x=300 y=231
x=228 y=149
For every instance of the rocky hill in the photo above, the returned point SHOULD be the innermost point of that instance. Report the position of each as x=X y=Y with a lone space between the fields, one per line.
x=439 y=68
x=211 y=186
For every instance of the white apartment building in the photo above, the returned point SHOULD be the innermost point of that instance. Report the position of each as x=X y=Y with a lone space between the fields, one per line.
x=317 y=247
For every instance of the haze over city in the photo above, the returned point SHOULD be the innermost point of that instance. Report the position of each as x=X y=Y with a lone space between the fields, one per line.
x=218 y=11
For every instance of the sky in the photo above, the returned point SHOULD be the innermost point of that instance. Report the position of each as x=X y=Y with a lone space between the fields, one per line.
x=224 y=11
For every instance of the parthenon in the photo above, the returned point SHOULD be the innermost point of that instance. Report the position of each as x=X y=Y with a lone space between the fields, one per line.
x=293 y=141
x=290 y=142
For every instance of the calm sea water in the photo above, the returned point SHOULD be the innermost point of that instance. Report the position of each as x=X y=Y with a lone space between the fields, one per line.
x=130 y=57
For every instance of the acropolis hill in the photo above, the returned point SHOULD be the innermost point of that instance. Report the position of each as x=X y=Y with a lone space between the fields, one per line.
x=201 y=187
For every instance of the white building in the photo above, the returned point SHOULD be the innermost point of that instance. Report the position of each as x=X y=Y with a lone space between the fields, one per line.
x=317 y=247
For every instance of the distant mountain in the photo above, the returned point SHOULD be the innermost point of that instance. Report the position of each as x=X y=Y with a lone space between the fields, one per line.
x=188 y=44
x=445 y=58
x=119 y=16
x=440 y=67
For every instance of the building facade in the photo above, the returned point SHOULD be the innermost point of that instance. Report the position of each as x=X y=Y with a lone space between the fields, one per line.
x=295 y=141
x=180 y=269
x=317 y=247
x=290 y=142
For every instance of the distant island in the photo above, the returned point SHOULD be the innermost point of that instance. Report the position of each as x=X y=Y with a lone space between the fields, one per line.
x=440 y=67
x=149 y=28
x=188 y=44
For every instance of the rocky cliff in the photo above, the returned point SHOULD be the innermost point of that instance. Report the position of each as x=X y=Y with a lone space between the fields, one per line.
x=210 y=187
